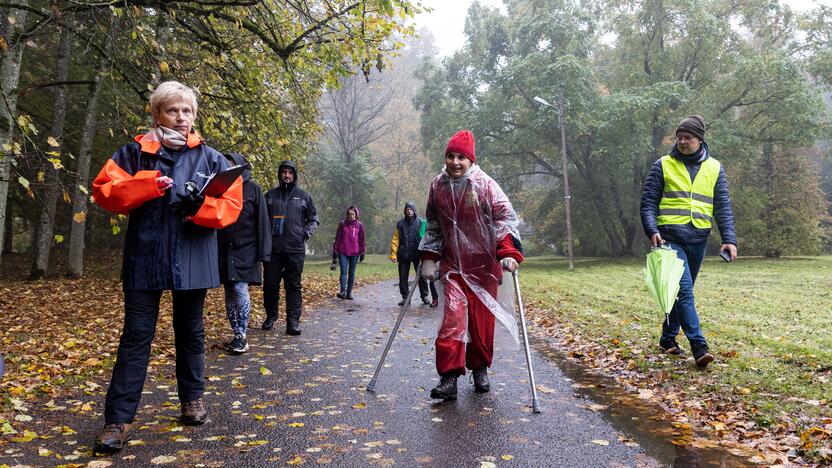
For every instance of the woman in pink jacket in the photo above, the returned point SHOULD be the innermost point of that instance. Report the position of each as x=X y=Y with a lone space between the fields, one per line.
x=348 y=249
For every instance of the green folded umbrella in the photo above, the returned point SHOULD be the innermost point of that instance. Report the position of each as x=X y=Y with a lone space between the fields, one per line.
x=662 y=275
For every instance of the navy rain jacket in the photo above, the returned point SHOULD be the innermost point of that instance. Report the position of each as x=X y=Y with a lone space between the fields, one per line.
x=652 y=193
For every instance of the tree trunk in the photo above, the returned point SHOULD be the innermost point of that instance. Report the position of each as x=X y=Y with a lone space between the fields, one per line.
x=79 y=197
x=10 y=59
x=8 y=240
x=43 y=246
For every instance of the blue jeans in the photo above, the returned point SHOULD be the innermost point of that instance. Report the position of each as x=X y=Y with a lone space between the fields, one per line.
x=684 y=310
x=347 y=262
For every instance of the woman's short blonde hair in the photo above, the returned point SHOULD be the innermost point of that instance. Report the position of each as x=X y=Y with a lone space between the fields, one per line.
x=171 y=91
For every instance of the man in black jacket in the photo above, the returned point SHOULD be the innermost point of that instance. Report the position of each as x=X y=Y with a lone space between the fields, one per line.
x=242 y=246
x=294 y=220
x=684 y=193
x=404 y=249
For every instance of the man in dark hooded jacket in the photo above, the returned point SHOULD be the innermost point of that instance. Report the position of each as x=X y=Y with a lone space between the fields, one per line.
x=684 y=193
x=404 y=249
x=242 y=246
x=294 y=220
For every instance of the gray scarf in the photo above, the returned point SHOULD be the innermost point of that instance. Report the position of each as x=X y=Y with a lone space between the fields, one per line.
x=170 y=139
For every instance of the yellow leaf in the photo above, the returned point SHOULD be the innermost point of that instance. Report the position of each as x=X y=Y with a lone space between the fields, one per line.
x=53 y=142
x=27 y=436
x=296 y=424
x=163 y=460
x=264 y=371
x=507 y=457
x=79 y=217
x=258 y=442
x=39 y=177
x=361 y=405
x=295 y=461
x=67 y=198
x=601 y=442
x=164 y=67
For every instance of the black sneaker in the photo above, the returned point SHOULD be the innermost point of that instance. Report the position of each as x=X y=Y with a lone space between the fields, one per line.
x=268 y=324
x=238 y=345
x=341 y=295
x=425 y=300
x=349 y=297
x=671 y=347
x=701 y=355
x=401 y=302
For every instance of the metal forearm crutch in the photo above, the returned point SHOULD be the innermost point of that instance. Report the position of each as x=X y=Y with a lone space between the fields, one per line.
x=371 y=387
x=535 y=404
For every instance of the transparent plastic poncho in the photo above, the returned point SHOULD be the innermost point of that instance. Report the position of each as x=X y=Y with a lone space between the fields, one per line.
x=466 y=217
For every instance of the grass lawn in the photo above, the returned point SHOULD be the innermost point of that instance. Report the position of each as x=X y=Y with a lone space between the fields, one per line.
x=768 y=322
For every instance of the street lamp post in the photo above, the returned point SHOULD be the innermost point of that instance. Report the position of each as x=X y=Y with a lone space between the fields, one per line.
x=567 y=197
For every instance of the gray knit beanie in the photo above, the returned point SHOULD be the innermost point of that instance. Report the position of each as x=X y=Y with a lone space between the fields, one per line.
x=693 y=124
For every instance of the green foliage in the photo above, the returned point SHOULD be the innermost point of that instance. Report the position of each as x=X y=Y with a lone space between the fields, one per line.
x=627 y=81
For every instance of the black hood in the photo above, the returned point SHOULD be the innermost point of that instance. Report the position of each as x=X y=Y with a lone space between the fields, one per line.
x=291 y=165
x=240 y=160
x=412 y=205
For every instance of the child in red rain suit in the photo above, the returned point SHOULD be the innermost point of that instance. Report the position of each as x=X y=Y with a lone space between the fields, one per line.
x=472 y=232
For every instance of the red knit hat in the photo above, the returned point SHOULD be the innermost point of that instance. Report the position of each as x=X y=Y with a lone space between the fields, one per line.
x=462 y=142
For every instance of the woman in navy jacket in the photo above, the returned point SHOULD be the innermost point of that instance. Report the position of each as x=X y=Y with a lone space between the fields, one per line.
x=170 y=244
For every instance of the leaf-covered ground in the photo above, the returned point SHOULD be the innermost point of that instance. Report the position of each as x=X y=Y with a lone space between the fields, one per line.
x=58 y=333
x=768 y=323
x=302 y=401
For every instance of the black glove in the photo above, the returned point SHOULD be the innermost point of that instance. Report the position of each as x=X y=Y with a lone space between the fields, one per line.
x=361 y=258
x=191 y=202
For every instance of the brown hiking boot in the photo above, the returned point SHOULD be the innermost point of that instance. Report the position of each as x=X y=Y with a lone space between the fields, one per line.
x=112 y=438
x=193 y=413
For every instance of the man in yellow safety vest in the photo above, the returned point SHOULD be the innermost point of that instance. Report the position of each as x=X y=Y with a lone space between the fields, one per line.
x=684 y=193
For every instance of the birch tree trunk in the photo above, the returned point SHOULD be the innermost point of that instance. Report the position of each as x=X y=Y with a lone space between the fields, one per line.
x=10 y=58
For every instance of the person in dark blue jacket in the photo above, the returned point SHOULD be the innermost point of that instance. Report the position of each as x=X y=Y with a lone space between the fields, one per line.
x=684 y=193
x=242 y=247
x=170 y=244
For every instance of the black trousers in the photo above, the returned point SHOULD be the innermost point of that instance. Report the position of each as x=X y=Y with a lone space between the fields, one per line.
x=404 y=273
x=141 y=311
x=286 y=267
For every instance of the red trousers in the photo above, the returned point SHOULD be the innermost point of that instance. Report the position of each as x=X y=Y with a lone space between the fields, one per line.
x=452 y=355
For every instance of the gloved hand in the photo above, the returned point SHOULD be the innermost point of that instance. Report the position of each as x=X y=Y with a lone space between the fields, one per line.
x=191 y=202
x=509 y=264
x=332 y=266
x=361 y=258
x=429 y=270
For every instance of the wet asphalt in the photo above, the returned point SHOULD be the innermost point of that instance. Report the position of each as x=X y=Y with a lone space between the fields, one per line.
x=303 y=401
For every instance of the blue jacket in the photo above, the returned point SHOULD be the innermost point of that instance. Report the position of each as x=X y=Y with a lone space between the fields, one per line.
x=162 y=248
x=652 y=193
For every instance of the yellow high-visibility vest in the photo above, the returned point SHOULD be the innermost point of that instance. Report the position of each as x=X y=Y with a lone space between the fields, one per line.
x=685 y=201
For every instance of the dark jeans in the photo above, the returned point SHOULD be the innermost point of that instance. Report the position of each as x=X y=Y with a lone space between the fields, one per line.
x=684 y=310
x=347 y=262
x=141 y=311
x=286 y=267
x=404 y=287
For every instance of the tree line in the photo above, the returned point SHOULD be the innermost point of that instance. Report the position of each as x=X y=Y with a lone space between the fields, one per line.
x=628 y=71
x=75 y=77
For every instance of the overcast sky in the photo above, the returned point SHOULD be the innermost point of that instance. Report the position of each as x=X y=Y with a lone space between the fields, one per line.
x=447 y=20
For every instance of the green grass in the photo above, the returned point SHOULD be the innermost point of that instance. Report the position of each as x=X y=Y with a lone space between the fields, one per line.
x=769 y=322
x=374 y=268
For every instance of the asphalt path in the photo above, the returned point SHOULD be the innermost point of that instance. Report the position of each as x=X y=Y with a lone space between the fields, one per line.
x=303 y=401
